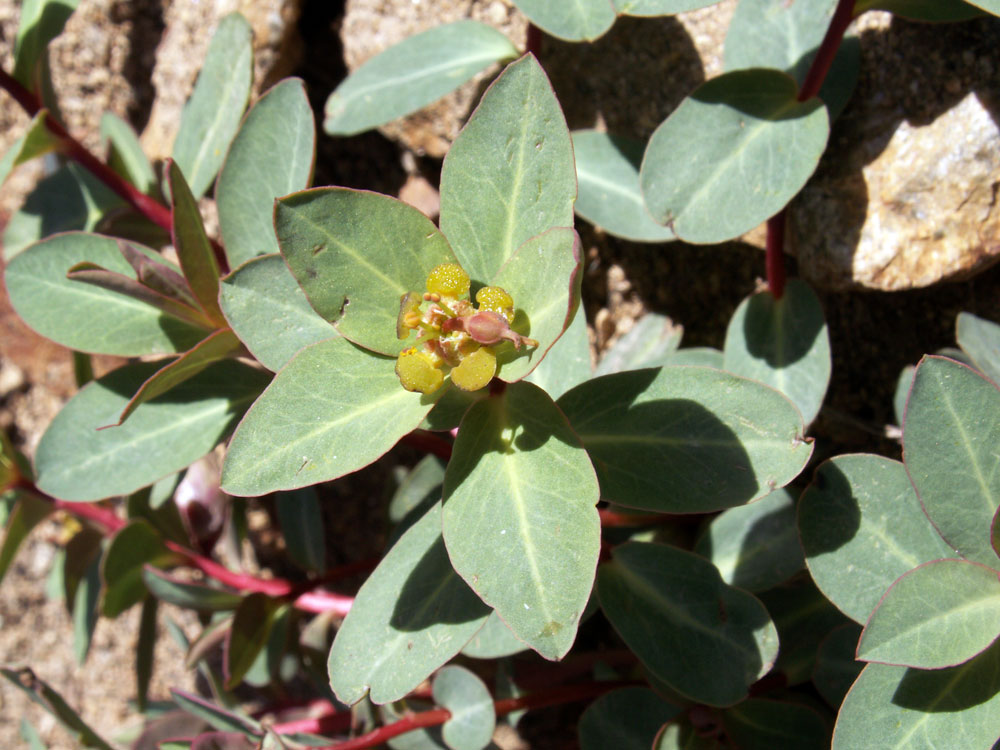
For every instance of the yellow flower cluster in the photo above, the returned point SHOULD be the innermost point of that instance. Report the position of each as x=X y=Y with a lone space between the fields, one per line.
x=452 y=334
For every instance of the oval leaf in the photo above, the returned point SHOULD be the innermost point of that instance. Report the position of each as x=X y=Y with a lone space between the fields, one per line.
x=706 y=640
x=938 y=615
x=862 y=528
x=271 y=156
x=659 y=7
x=607 y=169
x=75 y=461
x=84 y=316
x=212 y=115
x=494 y=641
x=412 y=74
x=980 y=339
x=899 y=708
x=713 y=440
x=572 y=21
x=651 y=342
x=755 y=546
x=332 y=410
x=732 y=154
x=509 y=175
x=783 y=343
x=269 y=311
x=950 y=435
x=472 y=716
x=412 y=615
x=519 y=517
x=355 y=254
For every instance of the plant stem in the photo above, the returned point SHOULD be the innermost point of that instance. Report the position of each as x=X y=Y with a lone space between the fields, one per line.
x=153 y=210
x=775 y=253
x=818 y=69
x=305 y=598
x=438 y=716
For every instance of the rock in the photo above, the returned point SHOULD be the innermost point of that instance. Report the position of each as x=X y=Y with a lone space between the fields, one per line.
x=906 y=194
x=189 y=28
x=371 y=26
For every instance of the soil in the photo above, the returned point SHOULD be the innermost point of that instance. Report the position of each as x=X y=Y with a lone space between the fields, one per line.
x=873 y=336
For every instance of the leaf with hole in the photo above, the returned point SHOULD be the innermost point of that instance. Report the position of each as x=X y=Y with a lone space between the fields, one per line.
x=269 y=311
x=355 y=254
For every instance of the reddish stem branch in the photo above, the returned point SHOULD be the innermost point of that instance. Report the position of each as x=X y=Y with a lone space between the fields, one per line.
x=438 y=716
x=775 y=254
x=153 y=210
x=813 y=82
x=304 y=598
x=820 y=66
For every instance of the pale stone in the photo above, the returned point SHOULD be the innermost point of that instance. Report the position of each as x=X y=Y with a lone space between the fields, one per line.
x=931 y=210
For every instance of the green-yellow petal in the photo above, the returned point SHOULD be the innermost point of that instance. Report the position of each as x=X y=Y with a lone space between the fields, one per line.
x=416 y=371
x=475 y=370
x=496 y=299
x=448 y=280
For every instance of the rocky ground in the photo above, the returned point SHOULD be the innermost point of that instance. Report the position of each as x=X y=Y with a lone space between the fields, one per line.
x=139 y=58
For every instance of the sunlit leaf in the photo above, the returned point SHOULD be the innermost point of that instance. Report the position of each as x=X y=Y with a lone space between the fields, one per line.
x=412 y=74
x=519 y=518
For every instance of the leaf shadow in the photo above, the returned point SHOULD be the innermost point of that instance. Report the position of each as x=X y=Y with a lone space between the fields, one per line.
x=435 y=594
x=841 y=511
x=777 y=334
x=690 y=459
x=951 y=689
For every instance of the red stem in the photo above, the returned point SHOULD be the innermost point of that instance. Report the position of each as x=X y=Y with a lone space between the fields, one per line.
x=438 y=716
x=153 y=210
x=820 y=66
x=305 y=599
x=818 y=70
x=775 y=258
x=330 y=723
